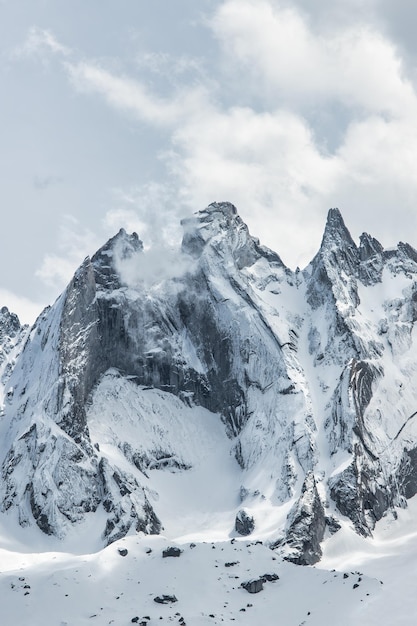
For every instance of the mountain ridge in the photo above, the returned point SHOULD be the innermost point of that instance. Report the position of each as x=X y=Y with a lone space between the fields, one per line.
x=310 y=372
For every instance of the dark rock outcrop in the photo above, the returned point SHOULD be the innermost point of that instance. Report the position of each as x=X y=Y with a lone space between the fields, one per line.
x=171 y=551
x=244 y=523
x=332 y=524
x=306 y=525
x=269 y=578
x=255 y=585
x=165 y=599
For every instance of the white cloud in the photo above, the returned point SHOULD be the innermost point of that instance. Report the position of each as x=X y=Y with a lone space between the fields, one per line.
x=41 y=43
x=123 y=218
x=170 y=66
x=57 y=270
x=153 y=266
x=42 y=183
x=75 y=243
x=129 y=95
x=267 y=164
x=271 y=164
x=282 y=55
x=152 y=210
x=266 y=157
x=26 y=309
x=147 y=210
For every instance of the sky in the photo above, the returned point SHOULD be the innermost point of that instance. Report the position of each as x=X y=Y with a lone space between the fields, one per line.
x=135 y=114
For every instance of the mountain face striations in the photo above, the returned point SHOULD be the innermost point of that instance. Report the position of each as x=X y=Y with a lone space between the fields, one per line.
x=311 y=373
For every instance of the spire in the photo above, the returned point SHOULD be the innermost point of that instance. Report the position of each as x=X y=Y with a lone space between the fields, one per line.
x=369 y=247
x=335 y=233
x=337 y=259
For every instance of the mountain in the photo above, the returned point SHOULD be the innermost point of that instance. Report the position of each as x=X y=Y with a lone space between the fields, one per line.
x=228 y=394
x=12 y=336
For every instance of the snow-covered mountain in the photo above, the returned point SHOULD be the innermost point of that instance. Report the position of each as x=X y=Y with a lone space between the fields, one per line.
x=226 y=396
x=12 y=335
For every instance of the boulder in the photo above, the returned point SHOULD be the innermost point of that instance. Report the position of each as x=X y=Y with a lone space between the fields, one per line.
x=255 y=585
x=244 y=523
x=171 y=551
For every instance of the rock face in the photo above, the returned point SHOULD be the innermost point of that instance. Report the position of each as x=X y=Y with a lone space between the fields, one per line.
x=306 y=525
x=12 y=335
x=255 y=585
x=165 y=599
x=244 y=523
x=311 y=372
x=171 y=551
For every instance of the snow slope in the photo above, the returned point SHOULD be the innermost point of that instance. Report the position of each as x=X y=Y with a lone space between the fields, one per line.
x=359 y=581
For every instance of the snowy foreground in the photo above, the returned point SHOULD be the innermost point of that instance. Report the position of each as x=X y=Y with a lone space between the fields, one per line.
x=359 y=581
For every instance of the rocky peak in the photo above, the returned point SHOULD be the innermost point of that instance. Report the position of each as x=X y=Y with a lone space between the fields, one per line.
x=407 y=252
x=369 y=247
x=336 y=236
x=371 y=255
x=9 y=324
x=105 y=261
x=11 y=335
x=335 y=266
x=337 y=247
x=220 y=227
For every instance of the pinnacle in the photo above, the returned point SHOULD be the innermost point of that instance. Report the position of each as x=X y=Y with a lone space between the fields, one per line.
x=335 y=232
x=369 y=247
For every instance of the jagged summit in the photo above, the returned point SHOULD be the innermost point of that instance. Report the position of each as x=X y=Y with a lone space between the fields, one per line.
x=335 y=223
x=335 y=265
x=336 y=233
x=9 y=323
x=369 y=247
x=220 y=226
x=12 y=334
x=122 y=243
x=106 y=260
x=371 y=255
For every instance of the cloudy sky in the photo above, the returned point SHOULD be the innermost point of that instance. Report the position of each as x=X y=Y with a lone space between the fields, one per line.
x=135 y=113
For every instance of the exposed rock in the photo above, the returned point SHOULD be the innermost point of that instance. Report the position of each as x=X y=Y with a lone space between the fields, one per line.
x=371 y=254
x=244 y=524
x=254 y=585
x=171 y=551
x=12 y=336
x=306 y=525
x=270 y=578
x=332 y=524
x=165 y=599
x=126 y=504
